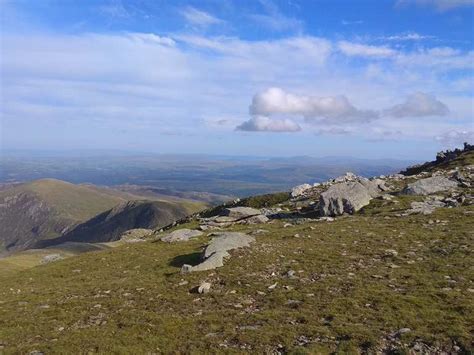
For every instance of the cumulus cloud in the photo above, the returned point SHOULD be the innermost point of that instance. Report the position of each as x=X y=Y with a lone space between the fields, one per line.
x=266 y=124
x=335 y=108
x=456 y=137
x=418 y=105
x=363 y=50
x=199 y=18
x=440 y=5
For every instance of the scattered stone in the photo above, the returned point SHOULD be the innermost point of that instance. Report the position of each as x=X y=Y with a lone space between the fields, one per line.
x=391 y=252
x=181 y=235
x=204 y=287
x=402 y=331
x=51 y=258
x=272 y=287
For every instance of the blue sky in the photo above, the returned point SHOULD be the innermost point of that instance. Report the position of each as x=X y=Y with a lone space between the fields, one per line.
x=385 y=78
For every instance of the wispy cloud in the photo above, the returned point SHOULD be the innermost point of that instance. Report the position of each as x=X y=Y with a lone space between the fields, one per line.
x=408 y=36
x=115 y=10
x=365 y=50
x=274 y=19
x=351 y=22
x=440 y=5
x=199 y=18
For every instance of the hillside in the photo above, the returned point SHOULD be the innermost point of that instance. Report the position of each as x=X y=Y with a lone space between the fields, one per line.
x=110 y=225
x=48 y=208
x=44 y=209
x=350 y=265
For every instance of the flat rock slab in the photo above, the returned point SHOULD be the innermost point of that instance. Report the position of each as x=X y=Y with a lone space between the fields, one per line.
x=430 y=185
x=218 y=249
x=181 y=235
x=427 y=207
x=238 y=213
x=348 y=197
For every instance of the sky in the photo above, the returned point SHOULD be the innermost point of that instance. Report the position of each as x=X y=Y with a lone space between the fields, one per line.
x=365 y=78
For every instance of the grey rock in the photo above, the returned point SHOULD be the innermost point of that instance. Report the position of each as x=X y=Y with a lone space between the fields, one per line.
x=240 y=212
x=259 y=219
x=181 y=235
x=348 y=197
x=51 y=258
x=300 y=190
x=430 y=185
x=425 y=207
x=218 y=250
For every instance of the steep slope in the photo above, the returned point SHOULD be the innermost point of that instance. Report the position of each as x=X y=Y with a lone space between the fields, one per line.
x=110 y=225
x=45 y=209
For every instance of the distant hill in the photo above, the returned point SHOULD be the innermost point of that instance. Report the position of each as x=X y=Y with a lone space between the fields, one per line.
x=47 y=208
x=110 y=225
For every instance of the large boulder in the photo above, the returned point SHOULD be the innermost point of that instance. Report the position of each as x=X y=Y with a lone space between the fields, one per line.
x=238 y=213
x=218 y=249
x=430 y=185
x=349 y=197
x=181 y=235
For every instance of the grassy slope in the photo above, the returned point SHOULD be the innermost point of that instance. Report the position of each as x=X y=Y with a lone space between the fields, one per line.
x=73 y=201
x=129 y=300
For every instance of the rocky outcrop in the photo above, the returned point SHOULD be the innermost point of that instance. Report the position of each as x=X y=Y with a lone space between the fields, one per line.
x=430 y=185
x=349 y=197
x=441 y=157
x=234 y=215
x=181 y=235
x=136 y=235
x=218 y=250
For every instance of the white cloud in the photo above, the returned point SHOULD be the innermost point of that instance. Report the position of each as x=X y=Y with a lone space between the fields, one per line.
x=364 y=50
x=199 y=18
x=274 y=20
x=440 y=5
x=143 y=82
x=333 y=131
x=336 y=108
x=349 y=23
x=409 y=36
x=456 y=137
x=266 y=124
x=440 y=58
x=419 y=105
x=115 y=10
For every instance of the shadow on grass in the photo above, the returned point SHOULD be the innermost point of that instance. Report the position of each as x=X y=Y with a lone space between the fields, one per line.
x=190 y=259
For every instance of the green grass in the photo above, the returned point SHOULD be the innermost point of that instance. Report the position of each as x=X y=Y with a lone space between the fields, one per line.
x=347 y=297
